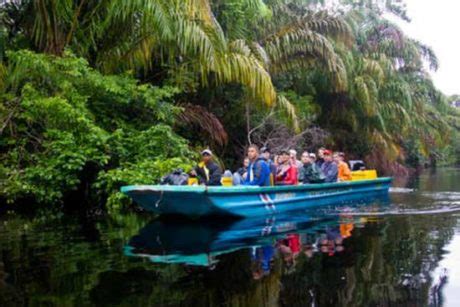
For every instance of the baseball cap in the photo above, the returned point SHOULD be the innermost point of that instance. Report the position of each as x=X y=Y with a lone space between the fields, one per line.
x=327 y=152
x=206 y=152
x=265 y=149
x=312 y=155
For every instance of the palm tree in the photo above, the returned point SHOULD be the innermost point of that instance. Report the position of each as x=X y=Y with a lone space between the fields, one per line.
x=116 y=35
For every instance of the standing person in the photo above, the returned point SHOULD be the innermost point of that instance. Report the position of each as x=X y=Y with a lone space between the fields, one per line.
x=258 y=169
x=320 y=159
x=329 y=167
x=267 y=156
x=310 y=172
x=344 y=173
x=286 y=173
x=293 y=157
x=207 y=171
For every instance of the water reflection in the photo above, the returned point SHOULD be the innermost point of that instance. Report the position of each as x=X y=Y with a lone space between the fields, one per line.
x=348 y=256
x=200 y=242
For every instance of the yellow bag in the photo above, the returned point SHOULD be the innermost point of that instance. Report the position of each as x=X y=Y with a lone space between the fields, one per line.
x=227 y=181
x=192 y=181
x=364 y=175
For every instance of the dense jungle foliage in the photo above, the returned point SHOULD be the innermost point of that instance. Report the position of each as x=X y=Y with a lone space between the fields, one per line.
x=97 y=94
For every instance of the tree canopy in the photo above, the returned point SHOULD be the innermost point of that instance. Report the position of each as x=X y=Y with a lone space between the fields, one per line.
x=96 y=94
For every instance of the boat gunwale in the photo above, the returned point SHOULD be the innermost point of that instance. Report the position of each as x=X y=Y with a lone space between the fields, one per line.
x=251 y=189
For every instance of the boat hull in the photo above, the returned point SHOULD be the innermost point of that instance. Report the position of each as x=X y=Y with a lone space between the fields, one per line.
x=246 y=201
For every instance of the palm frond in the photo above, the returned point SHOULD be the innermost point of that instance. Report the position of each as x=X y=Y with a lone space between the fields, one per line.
x=199 y=116
x=290 y=109
x=428 y=55
x=246 y=70
x=305 y=45
x=324 y=23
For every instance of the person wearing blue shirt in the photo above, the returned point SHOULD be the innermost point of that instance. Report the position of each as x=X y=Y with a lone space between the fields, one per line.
x=258 y=169
x=265 y=153
x=329 y=167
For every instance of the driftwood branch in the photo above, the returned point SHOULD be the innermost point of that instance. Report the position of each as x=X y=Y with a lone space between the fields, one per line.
x=277 y=135
x=263 y=123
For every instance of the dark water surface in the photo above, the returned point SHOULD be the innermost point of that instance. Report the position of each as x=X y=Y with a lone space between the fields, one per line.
x=403 y=253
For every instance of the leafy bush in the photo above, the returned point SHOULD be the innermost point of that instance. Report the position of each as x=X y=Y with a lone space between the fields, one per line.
x=66 y=125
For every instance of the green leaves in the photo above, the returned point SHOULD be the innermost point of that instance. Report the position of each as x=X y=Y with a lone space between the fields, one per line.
x=67 y=124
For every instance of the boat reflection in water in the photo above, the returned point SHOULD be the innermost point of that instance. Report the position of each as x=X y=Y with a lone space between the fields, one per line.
x=199 y=243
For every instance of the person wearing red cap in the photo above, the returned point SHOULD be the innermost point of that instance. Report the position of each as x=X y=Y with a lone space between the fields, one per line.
x=329 y=167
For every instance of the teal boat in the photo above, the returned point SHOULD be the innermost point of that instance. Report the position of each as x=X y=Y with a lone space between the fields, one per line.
x=247 y=201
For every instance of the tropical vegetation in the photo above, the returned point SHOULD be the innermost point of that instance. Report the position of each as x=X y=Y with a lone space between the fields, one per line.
x=97 y=94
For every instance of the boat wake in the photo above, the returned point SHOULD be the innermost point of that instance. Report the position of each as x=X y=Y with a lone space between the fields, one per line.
x=400 y=190
x=427 y=203
x=443 y=195
x=407 y=212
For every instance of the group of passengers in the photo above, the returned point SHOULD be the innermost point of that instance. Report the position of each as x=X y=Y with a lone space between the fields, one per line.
x=261 y=169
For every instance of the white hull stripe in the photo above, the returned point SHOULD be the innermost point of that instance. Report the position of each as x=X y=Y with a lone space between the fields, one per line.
x=268 y=202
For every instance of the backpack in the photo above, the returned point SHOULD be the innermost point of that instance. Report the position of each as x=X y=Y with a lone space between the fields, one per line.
x=177 y=177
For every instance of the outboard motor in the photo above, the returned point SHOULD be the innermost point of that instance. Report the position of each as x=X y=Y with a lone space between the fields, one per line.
x=357 y=165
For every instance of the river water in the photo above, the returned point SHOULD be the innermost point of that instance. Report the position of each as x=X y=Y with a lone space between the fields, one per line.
x=404 y=252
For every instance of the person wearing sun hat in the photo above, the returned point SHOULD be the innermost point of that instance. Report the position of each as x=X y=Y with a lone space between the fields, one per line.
x=208 y=172
x=329 y=167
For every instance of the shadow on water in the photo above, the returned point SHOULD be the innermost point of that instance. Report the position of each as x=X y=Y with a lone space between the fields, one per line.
x=368 y=255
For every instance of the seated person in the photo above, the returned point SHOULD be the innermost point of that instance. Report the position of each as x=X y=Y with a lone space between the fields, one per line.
x=286 y=173
x=320 y=157
x=258 y=169
x=207 y=171
x=329 y=167
x=294 y=161
x=266 y=154
x=344 y=173
x=310 y=172
x=312 y=157
x=240 y=175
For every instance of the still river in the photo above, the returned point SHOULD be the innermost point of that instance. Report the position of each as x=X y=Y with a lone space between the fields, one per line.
x=404 y=252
